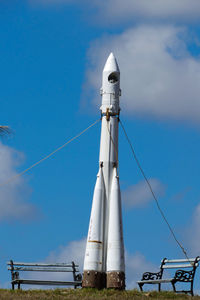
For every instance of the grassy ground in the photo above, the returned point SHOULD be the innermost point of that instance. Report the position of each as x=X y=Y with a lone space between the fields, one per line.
x=87 y=294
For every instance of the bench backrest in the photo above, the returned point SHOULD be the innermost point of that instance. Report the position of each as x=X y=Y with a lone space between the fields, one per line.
x=179 y=263
x=43 y=267
x=191 y=264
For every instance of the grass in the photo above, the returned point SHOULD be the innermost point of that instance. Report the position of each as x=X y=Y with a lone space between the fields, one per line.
x=89 y=294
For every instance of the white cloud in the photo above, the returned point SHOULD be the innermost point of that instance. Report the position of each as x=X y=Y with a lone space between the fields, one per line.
x=159 y=77
x=192 y=233
x=136 y=265
x=117 y=10
x=74 y=251
x=13 y=204
x=139 y=195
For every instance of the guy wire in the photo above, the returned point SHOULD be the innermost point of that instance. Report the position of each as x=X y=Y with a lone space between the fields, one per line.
x=47 y=156
x=152 y=192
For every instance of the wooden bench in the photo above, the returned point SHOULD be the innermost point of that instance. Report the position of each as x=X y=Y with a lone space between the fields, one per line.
x=180 y=275
x=17 y=267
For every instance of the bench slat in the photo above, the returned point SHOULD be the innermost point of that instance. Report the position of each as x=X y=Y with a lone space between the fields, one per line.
x=180 y=260
x=178 y=266
x=155 y=281
x=42 y=264
x=45 y=282
x=41 y=270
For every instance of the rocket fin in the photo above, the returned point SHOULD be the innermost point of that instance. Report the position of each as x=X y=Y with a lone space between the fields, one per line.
x=115 y=251
x=94 y=247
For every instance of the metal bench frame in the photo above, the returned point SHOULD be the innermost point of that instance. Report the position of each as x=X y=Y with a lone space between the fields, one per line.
x=179 y=276
x=16 y=267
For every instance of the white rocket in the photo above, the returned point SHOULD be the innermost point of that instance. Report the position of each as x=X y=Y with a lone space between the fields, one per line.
x=104 y=256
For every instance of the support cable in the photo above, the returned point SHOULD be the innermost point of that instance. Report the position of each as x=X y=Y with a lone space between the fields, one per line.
x=47 y=156
x=152 y=192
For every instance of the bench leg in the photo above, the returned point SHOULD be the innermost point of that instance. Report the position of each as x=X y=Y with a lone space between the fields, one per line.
x=140 y=286
x=18 y=286
x=159 y=287
x=13 y=286
x=174 y=288
x=192 y=294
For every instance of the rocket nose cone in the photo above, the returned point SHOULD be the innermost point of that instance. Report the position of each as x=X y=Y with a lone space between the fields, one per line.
x=111 y=64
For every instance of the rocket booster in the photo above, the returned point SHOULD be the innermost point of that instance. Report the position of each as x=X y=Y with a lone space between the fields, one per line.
x=115 y=247
x=104 y=256
x=94 y=248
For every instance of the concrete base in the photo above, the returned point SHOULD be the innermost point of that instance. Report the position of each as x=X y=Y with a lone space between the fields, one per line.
x=116 y=280
x=94 y=279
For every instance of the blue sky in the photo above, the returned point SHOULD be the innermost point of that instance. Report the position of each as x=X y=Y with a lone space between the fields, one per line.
x=51 y=59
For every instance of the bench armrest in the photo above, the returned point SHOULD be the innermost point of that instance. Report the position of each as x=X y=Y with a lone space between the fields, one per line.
x=151 y=276
x=184 y=276
x=15 y=275
x=78 y=277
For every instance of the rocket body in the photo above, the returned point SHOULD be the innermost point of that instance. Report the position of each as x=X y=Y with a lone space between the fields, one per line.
x=104 y=256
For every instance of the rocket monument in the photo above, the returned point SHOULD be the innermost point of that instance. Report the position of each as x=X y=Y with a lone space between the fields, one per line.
x=104 y=256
